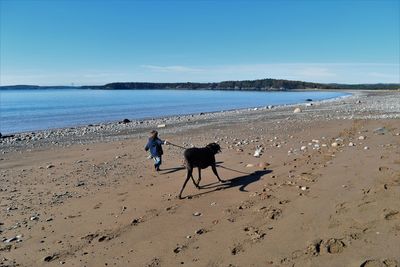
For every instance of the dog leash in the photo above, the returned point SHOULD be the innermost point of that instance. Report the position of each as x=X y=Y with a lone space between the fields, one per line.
x=176 y=145
x=182 y=146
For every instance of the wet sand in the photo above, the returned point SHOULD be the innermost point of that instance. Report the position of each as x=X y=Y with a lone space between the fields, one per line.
x=310 y=199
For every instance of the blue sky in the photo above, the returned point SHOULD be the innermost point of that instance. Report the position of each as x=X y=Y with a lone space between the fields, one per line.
x=96 y=42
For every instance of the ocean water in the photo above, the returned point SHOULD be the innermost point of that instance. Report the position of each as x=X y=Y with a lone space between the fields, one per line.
x=31 y=110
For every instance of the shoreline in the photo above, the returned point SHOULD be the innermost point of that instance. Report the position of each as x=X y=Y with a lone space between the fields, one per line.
x=116 y=130
x=23 y=135
x=349 y=92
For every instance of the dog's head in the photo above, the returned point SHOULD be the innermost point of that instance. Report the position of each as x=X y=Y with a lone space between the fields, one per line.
x=214 y=147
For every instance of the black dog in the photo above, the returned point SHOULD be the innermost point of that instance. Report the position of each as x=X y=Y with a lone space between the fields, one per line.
x=200 y=158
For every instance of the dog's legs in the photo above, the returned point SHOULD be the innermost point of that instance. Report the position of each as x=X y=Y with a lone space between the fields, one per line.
x=194 y=182
x=198 y=181
x=188 y=176
x=214 y=169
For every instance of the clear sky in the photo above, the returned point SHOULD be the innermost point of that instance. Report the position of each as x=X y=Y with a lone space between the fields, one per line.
x=50 y=42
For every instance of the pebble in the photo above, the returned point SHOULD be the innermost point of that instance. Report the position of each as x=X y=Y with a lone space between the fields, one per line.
x=161 y=126
x=49 y=258
x=197 y=213
x=361 y=137
x=303 y=148
x=199 y=231
x=351 y=144
x=297 y=110
x=366 y=148
x=34 y=218
x=80 y=184
x=178 y=249
x=12 y=239
x=50 y=166
x=334 y=144
x=136 y=221
x=249 y=165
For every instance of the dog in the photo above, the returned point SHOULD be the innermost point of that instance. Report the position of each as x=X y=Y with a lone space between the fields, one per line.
x=200 y=158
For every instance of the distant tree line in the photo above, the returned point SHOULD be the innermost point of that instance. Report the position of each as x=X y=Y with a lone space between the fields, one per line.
x=254 y=85
x=257 y=85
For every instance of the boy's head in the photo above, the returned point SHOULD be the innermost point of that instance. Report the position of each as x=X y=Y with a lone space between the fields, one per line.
x=153 y=134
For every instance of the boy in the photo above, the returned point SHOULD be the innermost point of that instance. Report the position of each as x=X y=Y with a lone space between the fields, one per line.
x=155 y=146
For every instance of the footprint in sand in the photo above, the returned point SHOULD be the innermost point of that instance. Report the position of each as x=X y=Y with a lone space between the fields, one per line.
x=154 y=262
x=379 y=263
x=341 y=208
x=334 y=246
x=98 y=205
x=237 y=249
x=254 y=233
x=331 y=246
x=383 y=168
x=391 y=215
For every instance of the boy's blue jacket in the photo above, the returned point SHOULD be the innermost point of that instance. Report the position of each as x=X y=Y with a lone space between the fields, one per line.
x=155 y=147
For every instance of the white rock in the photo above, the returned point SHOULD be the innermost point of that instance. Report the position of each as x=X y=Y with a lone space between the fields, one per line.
x=361 y=137
x=366 y=148
x=161 y=126
x=249 y=165
x=303 y=148
x=351 y=144
x=334 y=144
x=257 y=153
x=297 y=110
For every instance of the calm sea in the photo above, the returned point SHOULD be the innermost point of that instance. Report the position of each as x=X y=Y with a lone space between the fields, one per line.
x=31 y=110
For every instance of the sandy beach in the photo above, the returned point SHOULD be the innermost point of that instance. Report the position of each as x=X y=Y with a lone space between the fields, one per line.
x=324 y=192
